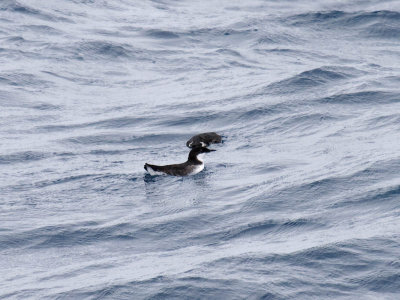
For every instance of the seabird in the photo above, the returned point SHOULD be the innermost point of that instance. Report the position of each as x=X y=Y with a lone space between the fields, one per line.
x=204 y=140
x=192 y=166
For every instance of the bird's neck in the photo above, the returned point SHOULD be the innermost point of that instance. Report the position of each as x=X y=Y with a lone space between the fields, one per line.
x=196 y=158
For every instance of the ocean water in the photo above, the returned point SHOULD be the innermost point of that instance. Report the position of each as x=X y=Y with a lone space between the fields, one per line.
x=301 y=201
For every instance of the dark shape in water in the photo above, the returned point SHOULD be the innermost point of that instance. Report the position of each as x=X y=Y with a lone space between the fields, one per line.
x=192 y=166
x=204 y=140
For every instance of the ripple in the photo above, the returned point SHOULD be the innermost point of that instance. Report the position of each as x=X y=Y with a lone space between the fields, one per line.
x=23 y=157
x=63 y=180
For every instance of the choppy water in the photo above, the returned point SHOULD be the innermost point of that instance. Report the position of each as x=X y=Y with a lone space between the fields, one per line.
x=301 y=201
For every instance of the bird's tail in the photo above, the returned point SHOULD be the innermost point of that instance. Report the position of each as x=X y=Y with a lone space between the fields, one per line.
x=152 y=169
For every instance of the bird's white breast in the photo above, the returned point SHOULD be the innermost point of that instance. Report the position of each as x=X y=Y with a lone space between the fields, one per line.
x=197 y=169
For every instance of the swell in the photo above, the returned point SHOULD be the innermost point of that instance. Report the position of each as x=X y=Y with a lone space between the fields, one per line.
x=335 y=191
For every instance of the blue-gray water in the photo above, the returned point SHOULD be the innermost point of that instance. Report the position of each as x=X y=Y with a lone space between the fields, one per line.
x=301 y=201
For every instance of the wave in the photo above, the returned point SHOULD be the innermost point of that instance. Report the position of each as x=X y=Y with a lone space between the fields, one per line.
x=193 y=287
x=104 y=49
x=383 y=121
x=341 y=18
x=365 y=97
x=348 y=269
x=93 y=50
x=161 y=34
x=50 y=182
x=224 y=34
x=120 y=122
x=82 y=233
x=43 y=29
x=8 y=99
x=118 y=138
x=196 y=118
x=79 y=179
x=262 y=228
x=24 y=80
x=93 y=232
x=330 y=190
x=309 y=79
x=383 y=31
x=63 y=180
x=381 y=196
x=378 y=24
x=15 y=7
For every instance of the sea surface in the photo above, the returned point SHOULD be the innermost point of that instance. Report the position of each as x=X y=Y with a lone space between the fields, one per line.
x=300 y=201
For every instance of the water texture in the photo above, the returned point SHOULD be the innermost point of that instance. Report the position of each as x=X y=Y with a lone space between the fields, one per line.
x=301 y=201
